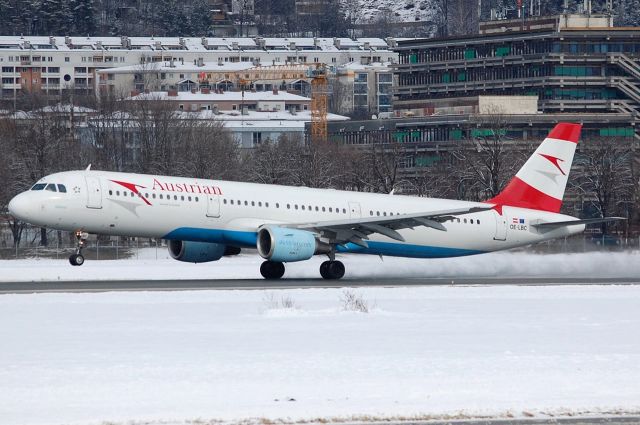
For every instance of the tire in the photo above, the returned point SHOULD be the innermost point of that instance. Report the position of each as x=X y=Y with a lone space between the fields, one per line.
x=76 y=259
x=332 y=270
x=336 y=269
x=272 y=270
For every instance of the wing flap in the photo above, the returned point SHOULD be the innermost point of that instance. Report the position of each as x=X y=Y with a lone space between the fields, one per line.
x=357 y=230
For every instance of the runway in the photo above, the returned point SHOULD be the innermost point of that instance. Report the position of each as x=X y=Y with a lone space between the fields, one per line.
x=258 y=284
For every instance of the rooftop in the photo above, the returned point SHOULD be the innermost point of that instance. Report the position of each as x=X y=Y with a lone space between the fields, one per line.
x=203 y=44
x=230 y=96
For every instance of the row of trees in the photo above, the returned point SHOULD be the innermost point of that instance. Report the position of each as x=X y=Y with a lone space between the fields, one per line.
x=276 y=17
x=151 y=137
x=106 y=17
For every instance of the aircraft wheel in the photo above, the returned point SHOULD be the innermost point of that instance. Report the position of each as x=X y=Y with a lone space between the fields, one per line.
x=76 y=259
x=332 y=270
x=272 y=270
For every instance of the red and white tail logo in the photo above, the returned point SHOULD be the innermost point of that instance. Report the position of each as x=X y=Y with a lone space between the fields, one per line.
x=541 y=181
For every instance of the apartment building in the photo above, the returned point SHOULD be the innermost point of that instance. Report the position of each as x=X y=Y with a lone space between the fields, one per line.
x=55 y=64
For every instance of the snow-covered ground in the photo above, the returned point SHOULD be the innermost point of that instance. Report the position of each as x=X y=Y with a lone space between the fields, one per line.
x=403 y=10
x=174 y=357
x=145 y=266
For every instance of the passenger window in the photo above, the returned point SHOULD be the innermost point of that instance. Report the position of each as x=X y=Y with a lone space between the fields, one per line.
x=110 y=192
x=175 y=197
x=146 y=195
x=51 y=187
x=224 y=201
x=478 y=221
x=38 y=186
x=322 y=209
x=371 y=212
x=62 y=188
x=266 y=205
x=246 y=203
x=182 y=198
x=317 y=209
x=118 y=193
x=344 y=211
x=465 y=221
x=288 y=206
x=161 y=196
x=296 y=206
x=253 y=203
x=384 y=213
x=189 y=198
x=303 y=208
x=310 y=208
x=231 y=202
x=153 y=195
x=377 y=213
x=259 y=203
x=330 y=209
x=196 y=199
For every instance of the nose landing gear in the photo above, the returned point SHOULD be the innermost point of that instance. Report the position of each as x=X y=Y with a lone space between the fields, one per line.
x=77 y=259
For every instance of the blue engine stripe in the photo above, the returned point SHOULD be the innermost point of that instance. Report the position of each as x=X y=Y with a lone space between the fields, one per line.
x=249 y=239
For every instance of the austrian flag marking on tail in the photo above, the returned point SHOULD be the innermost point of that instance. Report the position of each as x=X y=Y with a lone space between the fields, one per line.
x=541 y=181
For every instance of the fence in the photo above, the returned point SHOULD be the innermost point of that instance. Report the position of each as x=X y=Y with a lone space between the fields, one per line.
x=62 y=244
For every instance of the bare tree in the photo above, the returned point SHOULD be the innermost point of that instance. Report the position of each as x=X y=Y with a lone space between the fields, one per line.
x=485 y=162
x=205 y=149
x=604 y=176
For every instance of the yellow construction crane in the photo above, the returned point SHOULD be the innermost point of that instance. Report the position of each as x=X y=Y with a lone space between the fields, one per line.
x=319 y=94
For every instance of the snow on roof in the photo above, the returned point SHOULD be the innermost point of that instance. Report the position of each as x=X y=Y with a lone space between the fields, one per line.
x=180 y=67
x=357 y=66
x=186 y=43
x=257 y=116
x=226 y=96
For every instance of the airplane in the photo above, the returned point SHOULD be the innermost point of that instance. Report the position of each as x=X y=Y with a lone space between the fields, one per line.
x=203 y=220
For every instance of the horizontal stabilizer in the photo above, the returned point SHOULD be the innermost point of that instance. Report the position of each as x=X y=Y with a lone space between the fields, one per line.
x=556 y=224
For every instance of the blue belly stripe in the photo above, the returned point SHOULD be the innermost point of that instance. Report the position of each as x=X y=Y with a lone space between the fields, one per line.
x=249 y=239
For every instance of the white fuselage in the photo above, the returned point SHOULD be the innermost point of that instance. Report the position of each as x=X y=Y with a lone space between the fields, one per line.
x=231 y=213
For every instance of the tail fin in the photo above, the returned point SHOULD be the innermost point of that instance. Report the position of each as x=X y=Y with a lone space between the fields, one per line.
x=541 y=181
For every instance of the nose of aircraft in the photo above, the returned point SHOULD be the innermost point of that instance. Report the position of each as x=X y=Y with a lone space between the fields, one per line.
x=19 y=207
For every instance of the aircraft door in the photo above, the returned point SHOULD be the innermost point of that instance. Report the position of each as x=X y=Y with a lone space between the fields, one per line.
x=501 y=227
x=94 y=192
x=354 y=210
x=213 y=206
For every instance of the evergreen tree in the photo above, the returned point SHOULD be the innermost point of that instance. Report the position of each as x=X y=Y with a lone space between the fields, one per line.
x=84 y=16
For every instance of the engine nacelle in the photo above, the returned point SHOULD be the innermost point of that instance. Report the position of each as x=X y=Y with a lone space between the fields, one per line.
x=285 y=245
x=196 y=252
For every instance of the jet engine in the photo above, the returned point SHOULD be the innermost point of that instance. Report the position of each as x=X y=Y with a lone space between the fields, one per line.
x=280 y=244
x=196 y=252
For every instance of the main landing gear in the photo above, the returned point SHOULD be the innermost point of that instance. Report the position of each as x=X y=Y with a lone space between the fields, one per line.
x=272 y=270
x=77 y=259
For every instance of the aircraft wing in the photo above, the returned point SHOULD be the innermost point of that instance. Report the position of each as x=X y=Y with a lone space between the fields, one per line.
x=556 y=224
x=357 y=230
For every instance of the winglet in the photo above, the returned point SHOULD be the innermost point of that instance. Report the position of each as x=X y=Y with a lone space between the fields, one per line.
x=88 y=168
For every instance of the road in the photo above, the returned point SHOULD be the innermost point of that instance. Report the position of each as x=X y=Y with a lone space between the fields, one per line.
x=609 y=420
x=191 y=285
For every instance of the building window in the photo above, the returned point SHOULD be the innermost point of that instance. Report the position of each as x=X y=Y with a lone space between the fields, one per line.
x=256 y=137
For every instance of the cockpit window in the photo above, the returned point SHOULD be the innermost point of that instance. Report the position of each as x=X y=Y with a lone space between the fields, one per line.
x=62 y=188
x=51 y=187
x=38 y=186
